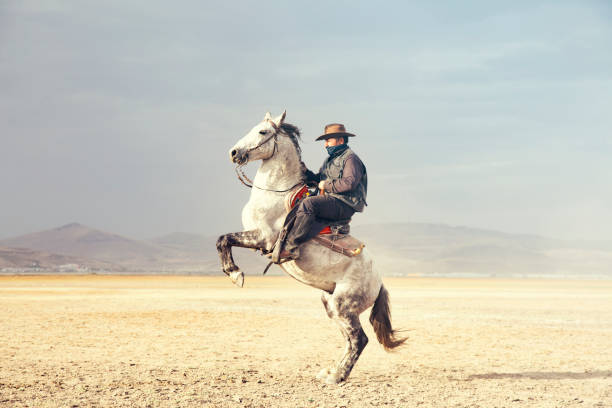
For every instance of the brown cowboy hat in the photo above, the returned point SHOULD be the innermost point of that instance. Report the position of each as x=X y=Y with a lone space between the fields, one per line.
x=335 y=130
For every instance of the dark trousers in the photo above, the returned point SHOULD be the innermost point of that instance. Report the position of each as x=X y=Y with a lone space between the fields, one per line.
x=312 y=215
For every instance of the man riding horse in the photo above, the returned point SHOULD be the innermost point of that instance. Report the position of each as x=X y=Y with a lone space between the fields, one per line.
x=342 y=184
x=348 y=282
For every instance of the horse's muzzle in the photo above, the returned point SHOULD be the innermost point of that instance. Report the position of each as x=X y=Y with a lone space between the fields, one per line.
x=237 y=156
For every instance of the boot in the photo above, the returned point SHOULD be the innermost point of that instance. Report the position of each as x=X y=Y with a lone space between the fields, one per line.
x=284 y=250
x=278 y=247
x=275 y=256
x=288 y=249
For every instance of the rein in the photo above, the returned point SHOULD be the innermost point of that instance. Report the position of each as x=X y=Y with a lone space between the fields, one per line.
x=247 y=181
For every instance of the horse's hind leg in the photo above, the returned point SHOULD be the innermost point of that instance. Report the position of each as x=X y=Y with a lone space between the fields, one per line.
x=330 y=371
x=344 y=309
x=357 y=340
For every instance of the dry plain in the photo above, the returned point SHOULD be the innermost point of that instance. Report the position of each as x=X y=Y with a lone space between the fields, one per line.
x=199 y=341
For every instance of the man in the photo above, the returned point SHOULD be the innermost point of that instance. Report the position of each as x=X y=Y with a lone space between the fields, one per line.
x=342 y=182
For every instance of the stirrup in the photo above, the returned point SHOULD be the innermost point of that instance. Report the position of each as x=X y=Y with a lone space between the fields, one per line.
x=284 y=256
x=280 y=256
x=278 y=247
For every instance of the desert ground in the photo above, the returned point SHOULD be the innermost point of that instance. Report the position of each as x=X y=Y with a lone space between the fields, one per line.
x=80 y=341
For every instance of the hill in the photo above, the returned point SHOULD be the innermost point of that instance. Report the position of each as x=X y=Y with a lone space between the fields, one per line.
x=79 y=244
x=399 y=249
x=20 y=258
x=422 y=248
x=94 y=245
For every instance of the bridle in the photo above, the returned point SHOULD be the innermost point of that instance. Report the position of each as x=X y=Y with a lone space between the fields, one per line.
x=244 y=178
x=274 y=135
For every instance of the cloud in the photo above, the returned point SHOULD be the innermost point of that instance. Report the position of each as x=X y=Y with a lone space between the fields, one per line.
x=446 y=169
x=122 y=113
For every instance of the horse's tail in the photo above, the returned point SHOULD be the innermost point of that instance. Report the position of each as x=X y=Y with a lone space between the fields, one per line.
x=380 y=317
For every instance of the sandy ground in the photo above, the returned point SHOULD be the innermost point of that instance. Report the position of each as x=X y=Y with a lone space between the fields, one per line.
x=199 y=341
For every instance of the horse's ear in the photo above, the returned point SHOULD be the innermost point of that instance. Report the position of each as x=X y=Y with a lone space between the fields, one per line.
x=267 y=116
x=281 y=118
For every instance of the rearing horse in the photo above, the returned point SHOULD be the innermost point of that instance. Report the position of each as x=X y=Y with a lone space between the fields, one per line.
x=350 y=285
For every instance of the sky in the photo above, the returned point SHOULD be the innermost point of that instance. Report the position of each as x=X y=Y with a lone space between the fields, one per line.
x=119 y=115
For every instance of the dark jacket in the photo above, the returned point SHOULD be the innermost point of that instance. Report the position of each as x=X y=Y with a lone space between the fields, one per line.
x=345 y=178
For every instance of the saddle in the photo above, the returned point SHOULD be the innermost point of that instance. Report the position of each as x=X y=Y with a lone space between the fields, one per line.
x=335 y=236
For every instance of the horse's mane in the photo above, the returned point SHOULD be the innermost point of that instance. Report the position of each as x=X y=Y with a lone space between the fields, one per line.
x=294 y=134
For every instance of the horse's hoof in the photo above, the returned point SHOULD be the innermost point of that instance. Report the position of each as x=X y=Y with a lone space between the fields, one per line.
x=329 y=376
x=323 y=374
x=333 y=379
x=237 y=277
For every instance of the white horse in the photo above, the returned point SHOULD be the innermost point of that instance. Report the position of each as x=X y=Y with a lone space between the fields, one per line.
x=349 y=284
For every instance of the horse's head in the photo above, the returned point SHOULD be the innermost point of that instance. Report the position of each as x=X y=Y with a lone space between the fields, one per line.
x=260 y=142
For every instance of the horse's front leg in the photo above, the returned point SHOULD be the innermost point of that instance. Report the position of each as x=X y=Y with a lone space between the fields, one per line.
x=245 y=239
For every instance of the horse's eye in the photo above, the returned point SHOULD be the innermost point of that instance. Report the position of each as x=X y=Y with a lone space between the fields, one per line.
x=263 y=132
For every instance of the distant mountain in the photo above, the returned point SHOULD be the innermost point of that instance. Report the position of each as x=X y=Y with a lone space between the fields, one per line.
x=91 y=247
x=420 y=248
x=186 y=241
x=398 y=249
x=82 y=241
x=427 y=249
x=28 y=258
